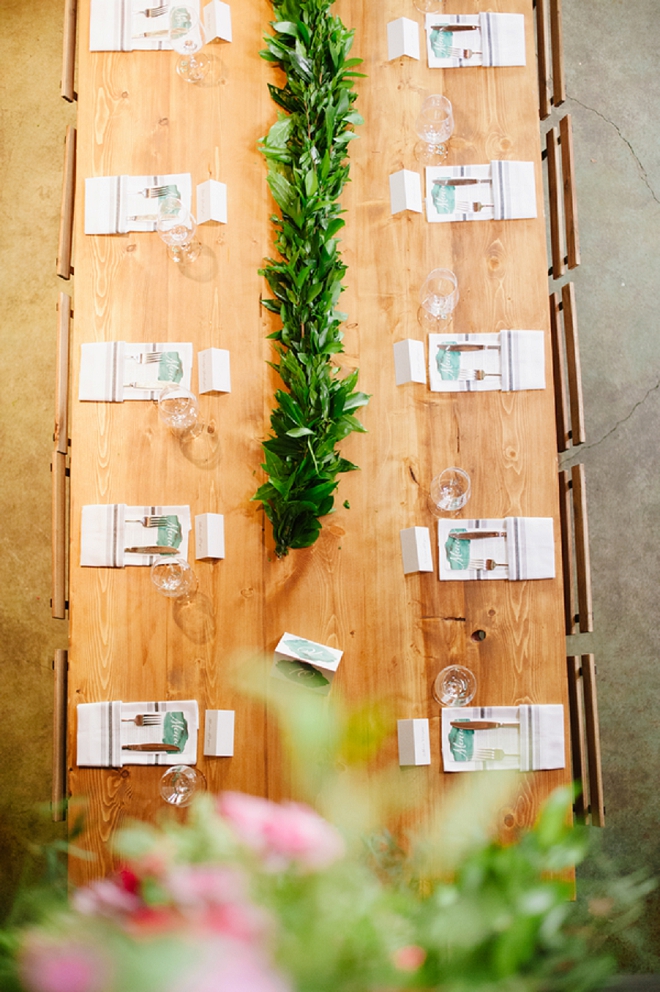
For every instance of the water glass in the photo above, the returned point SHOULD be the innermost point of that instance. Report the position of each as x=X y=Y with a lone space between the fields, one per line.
x=187 y=36
x=454 y=686
x=449 y=491
x=438 y=298
x=429 y=6
x=176 y=227
x=180 y=784
x=434 y=126
x=173 y=577
x=178 y=409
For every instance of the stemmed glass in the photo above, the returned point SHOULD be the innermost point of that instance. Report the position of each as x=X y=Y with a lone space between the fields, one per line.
x=180 y=784
x=429 y=6
x=187 y=37
x=174 y=577
x=438 y=297
x=434 y=126
x=454 y=686
x=178 y=409
x=176 y=226
x=449 y=491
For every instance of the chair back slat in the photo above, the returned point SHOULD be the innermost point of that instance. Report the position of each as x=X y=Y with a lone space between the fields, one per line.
x=67 y=90
x=61 y=434
x=582 y=557
x=554 y=197
x=65 y=241
x=567 y=556
x=542 y=58
x=58 y=599
x=578 y=737
x=557 y=49
x=59 y=788
x=570 y=195
x=574 y=370
x=596 y=797
x=559 y=376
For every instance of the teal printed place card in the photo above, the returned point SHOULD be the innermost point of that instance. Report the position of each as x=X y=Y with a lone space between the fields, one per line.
x=305 y=663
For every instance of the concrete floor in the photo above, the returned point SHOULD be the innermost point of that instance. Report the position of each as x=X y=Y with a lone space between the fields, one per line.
x=614 y=97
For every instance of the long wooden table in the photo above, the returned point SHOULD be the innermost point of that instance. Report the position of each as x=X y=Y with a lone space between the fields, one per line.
x=127 y=642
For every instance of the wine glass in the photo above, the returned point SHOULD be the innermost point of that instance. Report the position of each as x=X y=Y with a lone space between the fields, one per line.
x=178 y=409
x=438 y=297
x=449 y=491
x=180 y=784
x=173 y=577
x=429 y=6
x=454 y=686
x=187 y=37
x=434 y=126
x=176 y=226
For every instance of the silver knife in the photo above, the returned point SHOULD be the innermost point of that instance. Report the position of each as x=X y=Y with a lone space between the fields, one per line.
x=150 y=747
x=459 y=181
x=469 y=347
x=455 y=27
x=471 y=535
x=156 y=549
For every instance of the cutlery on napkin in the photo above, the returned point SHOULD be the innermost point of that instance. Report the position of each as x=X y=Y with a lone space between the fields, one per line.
x=153 y=549
x=455 y=27
x=480 y=724
x=150 y=747
x=473 y=535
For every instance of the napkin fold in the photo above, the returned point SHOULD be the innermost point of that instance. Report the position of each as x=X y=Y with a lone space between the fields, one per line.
x=527 y=551
x=497 y=40
x=112 y=201
x=115 y=25
x=512 y=360
x=107 y=367
x=108 y=528
x=504 y=191
x=537 y=743
x=103 y=729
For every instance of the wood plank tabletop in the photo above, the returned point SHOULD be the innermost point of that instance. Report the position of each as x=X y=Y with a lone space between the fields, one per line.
x=126 y=642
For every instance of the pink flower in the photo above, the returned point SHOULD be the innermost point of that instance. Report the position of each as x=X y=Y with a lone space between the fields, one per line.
x=281 y=834
x=215 y=898
x=46 y=966
x=227 y=967
x=409 y=958
x=105 y=898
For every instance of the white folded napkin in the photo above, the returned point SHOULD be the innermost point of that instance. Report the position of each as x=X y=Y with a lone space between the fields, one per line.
x=536 y=743
x=108 y=367
x=112 y=201
x=103 y=729
x=108 y=528
x=527 y=551
x=116 y=25
x=505 y=191
x=512 y=360
x=497 y=39
x=523 y=360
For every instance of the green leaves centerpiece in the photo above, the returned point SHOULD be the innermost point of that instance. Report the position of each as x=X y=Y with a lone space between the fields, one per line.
x=306 y=150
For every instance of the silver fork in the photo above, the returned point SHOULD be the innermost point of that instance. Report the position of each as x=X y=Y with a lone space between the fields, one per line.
x=493 y=754
x=466 y=207
x=158 y=191
x=154 y=11
x=470 y=375
x=144 y=719
x=147 y=385
x=485 y=564
x=145 y=357
x=149 y=521
x=463 y=53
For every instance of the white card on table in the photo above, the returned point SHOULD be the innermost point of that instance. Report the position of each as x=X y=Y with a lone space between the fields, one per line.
x=219 y=733
x=414 y=742
x=416 y=550
x=211 y=202
x=217 y=20
x=307 y=664
x=402 y=38
x=409 y=364
x=405 y=191
x=209 y=535
x=213 y=372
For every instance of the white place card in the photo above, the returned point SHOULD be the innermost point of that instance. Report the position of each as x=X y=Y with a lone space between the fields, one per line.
x=416 y=550
x=414 y=742
x=405 y=191
x=213 y=371
x=219 y=733
x=209 y=535
x=402 y=39
x=409 y=363
x=211 y=202
x=217 y=20
x=306 y=663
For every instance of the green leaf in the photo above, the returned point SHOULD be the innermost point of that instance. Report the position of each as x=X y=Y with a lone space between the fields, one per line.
x=299 y=432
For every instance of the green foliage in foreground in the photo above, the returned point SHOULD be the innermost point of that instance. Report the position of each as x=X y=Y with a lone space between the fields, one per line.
x=306 y=150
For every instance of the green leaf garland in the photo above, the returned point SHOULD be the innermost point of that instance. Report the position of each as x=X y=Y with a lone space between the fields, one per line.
x=306 y=150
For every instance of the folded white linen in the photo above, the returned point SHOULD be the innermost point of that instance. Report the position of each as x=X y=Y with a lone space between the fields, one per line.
x=510 y=360
x=115 y=204
x=108 y=528
x=514 y=190
x=537 y=742
x=502 y=39
x=504 y=191
x=117 y=25
x=526 y=552
x=497 y=40
x=530 y=547
x=104 y=729
x=107 y=368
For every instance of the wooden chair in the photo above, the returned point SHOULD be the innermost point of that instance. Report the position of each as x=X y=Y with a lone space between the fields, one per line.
x=59 y=792
x=69 y=52
x=589 y=806
x=65 y=242
x=552 y=88
x=578 y=609
x=58 y=602
x=562 y=198
x=567 y=377
x=61 y=433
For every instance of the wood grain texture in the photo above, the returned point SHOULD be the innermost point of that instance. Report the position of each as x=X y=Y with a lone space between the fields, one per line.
x=570 y=192
x=592 y=730
x=65 y=239
x=58 y=602
x=545 y=84
x=557 y=48
x=582 y=556
x=578 y=739
x=61 y=432
x=67 y=85
x=349 y=589
x=555 y=203
x=560 y=377
x=59 y=787
x=573 y=366
x=567 y=552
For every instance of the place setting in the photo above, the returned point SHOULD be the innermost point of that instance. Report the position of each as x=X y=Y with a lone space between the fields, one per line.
x=508 y=361
x=119 y=204
x=514 y=548
x=489 y=738
x=501 y=190
x=113 y=734
x=487 y=39
x=114 y=535
x=114 y=371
